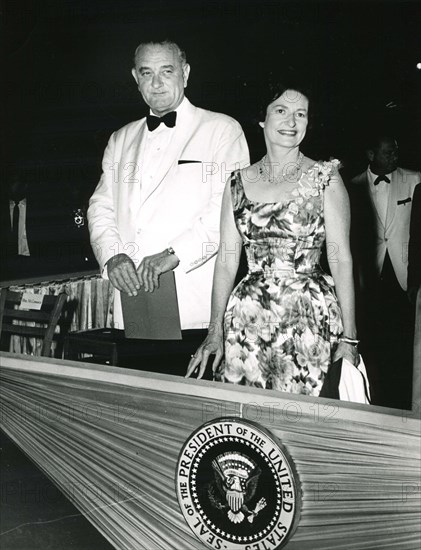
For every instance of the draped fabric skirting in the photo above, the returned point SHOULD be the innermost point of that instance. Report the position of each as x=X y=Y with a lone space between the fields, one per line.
x=109 y=438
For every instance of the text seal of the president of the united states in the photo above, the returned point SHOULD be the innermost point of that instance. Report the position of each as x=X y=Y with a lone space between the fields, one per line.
x=237 y=486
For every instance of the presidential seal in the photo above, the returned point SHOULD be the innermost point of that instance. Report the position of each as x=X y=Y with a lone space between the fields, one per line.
x=237 y=487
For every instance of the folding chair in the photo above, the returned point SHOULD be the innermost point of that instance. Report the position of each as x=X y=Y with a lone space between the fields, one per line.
x=18 y=308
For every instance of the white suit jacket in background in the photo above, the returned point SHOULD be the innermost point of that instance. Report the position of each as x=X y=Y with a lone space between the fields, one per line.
x=181 y=209
x=392 y=236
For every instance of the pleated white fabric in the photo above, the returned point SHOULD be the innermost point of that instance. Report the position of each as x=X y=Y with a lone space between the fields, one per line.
x=109 y=438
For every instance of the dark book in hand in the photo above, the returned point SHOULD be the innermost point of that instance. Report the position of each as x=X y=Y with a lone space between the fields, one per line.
x=153 y=315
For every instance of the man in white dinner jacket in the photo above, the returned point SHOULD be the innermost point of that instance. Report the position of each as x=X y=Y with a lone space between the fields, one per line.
x=157 y=205
x=381 y=200
x=387 y=192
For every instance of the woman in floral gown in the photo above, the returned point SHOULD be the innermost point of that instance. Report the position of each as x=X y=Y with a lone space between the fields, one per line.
x=286 y=320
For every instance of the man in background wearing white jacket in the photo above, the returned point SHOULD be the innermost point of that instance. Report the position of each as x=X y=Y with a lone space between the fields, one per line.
x=382 y=201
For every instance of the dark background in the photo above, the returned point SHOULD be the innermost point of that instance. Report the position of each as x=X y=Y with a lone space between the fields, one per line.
x=67 y=83
x=67 y=86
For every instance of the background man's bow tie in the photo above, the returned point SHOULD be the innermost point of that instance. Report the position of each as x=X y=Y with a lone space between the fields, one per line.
x=154 y=121
x=381 y=178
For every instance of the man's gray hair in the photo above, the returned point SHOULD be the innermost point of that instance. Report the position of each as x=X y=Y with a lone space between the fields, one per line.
x=181 y=53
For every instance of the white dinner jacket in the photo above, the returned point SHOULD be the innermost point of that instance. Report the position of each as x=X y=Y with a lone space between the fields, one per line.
x=393 y=235
x=181 y=209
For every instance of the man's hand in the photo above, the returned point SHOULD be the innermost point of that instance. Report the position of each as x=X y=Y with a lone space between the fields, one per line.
x=151 y=268
x=122 y=274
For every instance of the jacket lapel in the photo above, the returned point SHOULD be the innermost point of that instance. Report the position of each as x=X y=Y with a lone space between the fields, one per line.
x=370 y=199
x=131 y=169
x=393 y=198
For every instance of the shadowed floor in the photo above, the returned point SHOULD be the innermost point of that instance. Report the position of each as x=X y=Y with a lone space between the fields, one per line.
x=35 y=515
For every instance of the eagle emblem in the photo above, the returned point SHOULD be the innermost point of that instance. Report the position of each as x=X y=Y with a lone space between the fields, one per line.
x=236 y=481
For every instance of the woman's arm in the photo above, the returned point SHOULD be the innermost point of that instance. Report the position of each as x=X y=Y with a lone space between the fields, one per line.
x=337 y=224
x=226 y=266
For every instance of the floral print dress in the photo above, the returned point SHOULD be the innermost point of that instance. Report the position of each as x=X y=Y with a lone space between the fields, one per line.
x=283 y=318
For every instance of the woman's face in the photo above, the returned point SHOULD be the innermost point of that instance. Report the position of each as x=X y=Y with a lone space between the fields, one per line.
x=286 y=120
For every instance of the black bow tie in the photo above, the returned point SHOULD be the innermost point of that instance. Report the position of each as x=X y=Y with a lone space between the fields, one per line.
x=381 y=178
x=154 y=121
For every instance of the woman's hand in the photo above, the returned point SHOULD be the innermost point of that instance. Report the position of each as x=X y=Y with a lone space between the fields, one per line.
x=347 y=351
x=212 y=345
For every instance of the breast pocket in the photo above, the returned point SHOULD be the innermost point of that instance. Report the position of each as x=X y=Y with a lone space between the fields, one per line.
x=189 y=178
x=184 y=194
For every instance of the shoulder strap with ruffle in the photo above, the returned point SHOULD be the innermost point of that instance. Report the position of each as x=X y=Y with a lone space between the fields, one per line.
x=323 y=171
x=237 y=189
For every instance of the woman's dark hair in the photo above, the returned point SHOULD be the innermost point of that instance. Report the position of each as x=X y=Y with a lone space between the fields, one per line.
x=275 y=87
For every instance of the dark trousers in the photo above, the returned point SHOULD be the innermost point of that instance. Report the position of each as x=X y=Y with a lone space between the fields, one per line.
x=387 y=346
x=165 y=356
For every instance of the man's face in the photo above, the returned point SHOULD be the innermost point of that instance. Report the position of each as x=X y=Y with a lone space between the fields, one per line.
x=384 y=159
x=17 y=189
x=160 y=77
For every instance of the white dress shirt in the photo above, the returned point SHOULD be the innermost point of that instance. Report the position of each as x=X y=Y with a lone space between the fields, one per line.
x=153 y=152
x=379 y=193
x=23 y=248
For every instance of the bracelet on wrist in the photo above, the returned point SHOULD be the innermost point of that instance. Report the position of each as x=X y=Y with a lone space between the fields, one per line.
x=347 y=340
